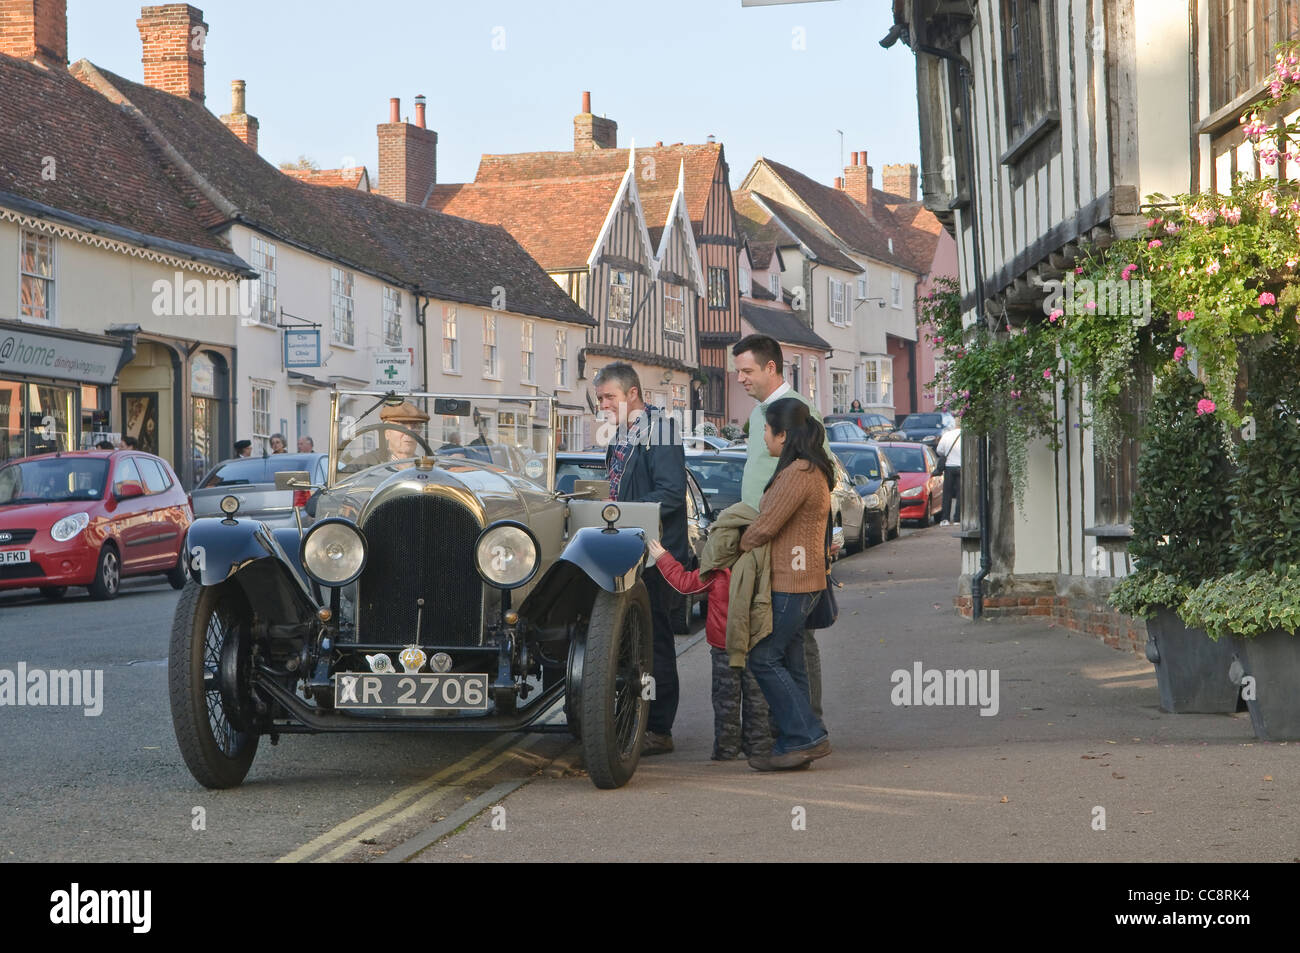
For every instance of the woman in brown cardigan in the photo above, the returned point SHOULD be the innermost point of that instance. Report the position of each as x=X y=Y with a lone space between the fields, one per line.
x=792 y=518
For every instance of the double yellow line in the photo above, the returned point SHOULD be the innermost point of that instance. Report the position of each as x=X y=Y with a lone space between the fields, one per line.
x=412 y=801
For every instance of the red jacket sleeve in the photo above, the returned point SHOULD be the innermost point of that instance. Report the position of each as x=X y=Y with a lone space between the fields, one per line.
x=687 y=583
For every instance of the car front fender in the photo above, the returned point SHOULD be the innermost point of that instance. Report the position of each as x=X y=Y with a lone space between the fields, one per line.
x=613 y=559
x=221 y=549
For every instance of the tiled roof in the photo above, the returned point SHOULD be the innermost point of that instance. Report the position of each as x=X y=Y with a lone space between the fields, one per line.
x=656 y=171
x=556 y=220
x=782 y=324
x=338 y=178
x=408 y=245
x=847 y=219
x=760 y=253
x=791 y=221
x=104 y=168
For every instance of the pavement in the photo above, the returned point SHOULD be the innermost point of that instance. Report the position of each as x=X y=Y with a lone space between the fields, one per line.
x=1077 y=763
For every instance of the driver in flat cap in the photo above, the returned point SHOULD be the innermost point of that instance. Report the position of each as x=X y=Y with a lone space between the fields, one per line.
x=400 y=444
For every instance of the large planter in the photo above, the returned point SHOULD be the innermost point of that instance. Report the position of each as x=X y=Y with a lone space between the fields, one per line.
x=1192 y=670
x=1273 y=659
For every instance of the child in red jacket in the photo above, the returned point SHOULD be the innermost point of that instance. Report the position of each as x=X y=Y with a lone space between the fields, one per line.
x=741 y=724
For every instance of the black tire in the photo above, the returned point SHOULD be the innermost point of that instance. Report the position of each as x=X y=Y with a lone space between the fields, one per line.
x=54 y=593
x=619 y=650
x=861 y=545
x=932 y=519
x=217 y=753
x=898 y=526
x=108 y=574
x=179 y=574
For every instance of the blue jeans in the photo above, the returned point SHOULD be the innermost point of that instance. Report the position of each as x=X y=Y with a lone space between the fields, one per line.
x=778 y=664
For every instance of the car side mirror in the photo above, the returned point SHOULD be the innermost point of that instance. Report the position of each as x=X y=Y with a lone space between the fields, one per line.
x=293 y=480
x=892 y=478
x=128 y=491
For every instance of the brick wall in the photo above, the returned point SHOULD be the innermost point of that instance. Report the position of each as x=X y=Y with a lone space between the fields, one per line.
x=408 y=164
x=173 y=37
x=35 y=30
x=857 y=179
x=1074 y=613
x=899 y=180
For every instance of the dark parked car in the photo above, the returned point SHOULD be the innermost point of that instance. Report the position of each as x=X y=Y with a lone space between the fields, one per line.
x=874 y=425
x=920 y=481
x=925 y=428
x=876 y=481
x=437 y=592
x=845 y=431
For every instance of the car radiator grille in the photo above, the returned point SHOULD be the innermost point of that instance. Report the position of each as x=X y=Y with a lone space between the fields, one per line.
x=420 y=547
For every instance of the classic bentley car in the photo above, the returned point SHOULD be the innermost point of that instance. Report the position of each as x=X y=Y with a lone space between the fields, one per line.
x=444 y=585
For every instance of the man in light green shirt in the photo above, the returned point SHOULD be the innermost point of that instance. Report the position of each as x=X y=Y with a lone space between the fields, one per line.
x=758 y=368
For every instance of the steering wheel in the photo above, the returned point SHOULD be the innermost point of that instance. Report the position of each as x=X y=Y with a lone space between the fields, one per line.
x=385 y=426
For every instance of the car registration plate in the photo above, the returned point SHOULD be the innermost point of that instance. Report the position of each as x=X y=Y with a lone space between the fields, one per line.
x=15 y=556
x=410 y=692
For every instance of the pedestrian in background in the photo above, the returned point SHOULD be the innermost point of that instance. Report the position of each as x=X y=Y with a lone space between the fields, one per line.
x=792 y=518
x=306 y=444
x=949 y=450
x=278 y=444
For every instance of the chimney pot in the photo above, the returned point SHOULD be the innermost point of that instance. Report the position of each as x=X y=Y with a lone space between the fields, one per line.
x=237 y=96
x=419 y=111
x=394 y=110
x=839 y=183
x=855 y=158
x=586 y=101
x=592 y=132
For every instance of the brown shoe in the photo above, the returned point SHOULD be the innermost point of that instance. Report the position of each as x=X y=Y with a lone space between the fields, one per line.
x=656 y=743
x=819 y=750
x=790 y=761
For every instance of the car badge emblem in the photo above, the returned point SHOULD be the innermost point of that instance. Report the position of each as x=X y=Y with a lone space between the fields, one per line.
x=380 y=664
x=441 y=662
x=6 y=537
x=412 y=659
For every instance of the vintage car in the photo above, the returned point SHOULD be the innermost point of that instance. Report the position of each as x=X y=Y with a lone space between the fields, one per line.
x=444 y=586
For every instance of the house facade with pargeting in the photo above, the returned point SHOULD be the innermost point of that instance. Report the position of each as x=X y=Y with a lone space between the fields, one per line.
x=1044 y=129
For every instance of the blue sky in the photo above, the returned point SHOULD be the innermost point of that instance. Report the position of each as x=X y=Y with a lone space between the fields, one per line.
x=507 y=75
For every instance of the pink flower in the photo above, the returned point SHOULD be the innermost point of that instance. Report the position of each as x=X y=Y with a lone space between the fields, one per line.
x=1186 y=315
x=1205 y=216
x=1154 y=243
x=938 y=339
x=1267 y=298
x=1130 y=268
x=1179 y=352
x=1047 y=375
x=1091 y=306
x=1056 y=313
x=1233 y=215
x=1152 y=222
x=1204 y=406
x=1079 y=270
x=1172 y=228
x=1013 y=376
x=1015 y=393
x=1212 y=268
x=1275 y=89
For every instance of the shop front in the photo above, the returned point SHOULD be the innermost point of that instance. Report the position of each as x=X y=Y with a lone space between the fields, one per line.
x=54 y=389
x=174 y=398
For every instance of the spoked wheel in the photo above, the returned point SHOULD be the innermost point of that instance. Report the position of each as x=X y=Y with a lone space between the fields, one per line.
x=617 y=660
x=209 y=670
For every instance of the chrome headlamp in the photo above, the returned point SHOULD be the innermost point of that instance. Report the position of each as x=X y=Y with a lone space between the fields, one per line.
x=334 y=552
x=69 y=526
x=506 y=554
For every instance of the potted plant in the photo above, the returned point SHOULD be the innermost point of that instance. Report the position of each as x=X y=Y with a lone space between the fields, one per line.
x=1259 y=602
x=1181 y=536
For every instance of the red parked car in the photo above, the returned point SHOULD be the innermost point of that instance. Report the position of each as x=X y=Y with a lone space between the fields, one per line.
x=920 y=480
x=88 y=519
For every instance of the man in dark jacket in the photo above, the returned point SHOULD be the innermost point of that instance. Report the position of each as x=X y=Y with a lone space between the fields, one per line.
x=647 y=464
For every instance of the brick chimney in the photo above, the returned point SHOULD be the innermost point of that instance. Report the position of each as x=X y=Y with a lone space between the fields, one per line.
x=900 y=180
x=591 y=132
x=173 y=35
x=35 y=30
x=408 y=155
x=857 y=180
x=237 y=120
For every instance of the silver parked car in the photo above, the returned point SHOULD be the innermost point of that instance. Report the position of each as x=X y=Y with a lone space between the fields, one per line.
x=251 y=480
